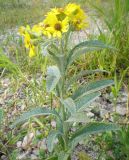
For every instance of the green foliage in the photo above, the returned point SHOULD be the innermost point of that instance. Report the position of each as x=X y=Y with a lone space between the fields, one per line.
x=86 y=100
x=115 y=16
x=117 y=86
x=6 y=63
x=51 y=139
x=53 y=76
x=82 y=74
x=35 y=112
x=83 y=48
x=92 y=128
x=70 y=106
x=1 y=116
x=114 y=145
x=123 y=134
x=91 y=87
x=79 y=117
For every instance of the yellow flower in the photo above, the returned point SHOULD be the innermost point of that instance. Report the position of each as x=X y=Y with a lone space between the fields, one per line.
x=32 y=52
x=37 y=30
x=76 y=16
x=45 y=25
x=56 y=27
x=80 y=24
x=21 y=30
x=27 y=40
x=29 y=45
x=57 y=11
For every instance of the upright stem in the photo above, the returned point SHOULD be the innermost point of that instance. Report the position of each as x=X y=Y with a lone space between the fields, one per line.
x=63 y=91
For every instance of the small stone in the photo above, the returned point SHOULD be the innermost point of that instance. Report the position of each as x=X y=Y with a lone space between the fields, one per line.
x=42 y=144
x=36 y=152
x=23 y=156
x=27 y=140
x=121 y=110
x=23 y=107
x=53 y=124
x=34 y=157
x=103 y=113
x=122 y=100
x=5 y=82
x=4 y=157
x=19 y=144
x=90 y=115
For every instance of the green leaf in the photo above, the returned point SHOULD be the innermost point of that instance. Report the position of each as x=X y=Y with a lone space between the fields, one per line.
x=81 y=74
x=59 y=59
x=69 y=105
x=92 y=128
x=34 y=112
x=64 y=155
x=52 y=158
x=86 y=100
x=91 y=87
x=79 y=117
x=53 y=77
x=6 y=63
x=1 y=116
x=51 y=139
x=85 y=47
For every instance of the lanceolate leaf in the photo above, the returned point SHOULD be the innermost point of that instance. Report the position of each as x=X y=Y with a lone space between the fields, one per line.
x=85 y=47
x=69 y=105
x=85 y=100
x=53 y=76
x=92 y=128
x=91 y=87
x=60 y=61
x=51 y=139
x=81 y=74
x=35 y=112
x=64 y=155
x=79 y=117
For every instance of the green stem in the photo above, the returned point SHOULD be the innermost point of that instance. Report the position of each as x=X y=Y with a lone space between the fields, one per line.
x=63 y=91
x=45 y=65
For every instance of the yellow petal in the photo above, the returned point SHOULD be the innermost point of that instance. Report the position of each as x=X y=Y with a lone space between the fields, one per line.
x=32 y=52
x=21 y=30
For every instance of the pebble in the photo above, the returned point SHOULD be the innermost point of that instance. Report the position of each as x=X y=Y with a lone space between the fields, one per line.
x=33 y=157
x=53 y=124
x=42 y=144
x=23 y=155
x=90 y=115
x=103 y=112
x=121 y=110
x=35 y=152
x=5 y=82
x=27 y=140
x=19 y=144
x=22 y=107
x=4 y=157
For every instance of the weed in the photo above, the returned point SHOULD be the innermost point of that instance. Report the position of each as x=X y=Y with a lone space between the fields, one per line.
x=70 y=106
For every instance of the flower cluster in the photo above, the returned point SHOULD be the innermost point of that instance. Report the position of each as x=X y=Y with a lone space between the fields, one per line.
x=57 y=22
x=29 y=39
